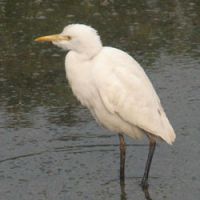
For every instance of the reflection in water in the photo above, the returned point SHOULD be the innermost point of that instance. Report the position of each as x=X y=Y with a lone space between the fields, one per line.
x=146 y=193
x=123 y=192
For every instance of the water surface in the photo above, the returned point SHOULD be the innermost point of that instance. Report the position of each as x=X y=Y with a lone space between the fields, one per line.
x=50 y=147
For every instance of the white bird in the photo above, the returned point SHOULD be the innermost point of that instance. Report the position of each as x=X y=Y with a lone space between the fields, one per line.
x=115 y=88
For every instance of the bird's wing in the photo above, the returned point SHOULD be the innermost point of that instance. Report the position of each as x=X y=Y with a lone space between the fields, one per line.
x=126 y=91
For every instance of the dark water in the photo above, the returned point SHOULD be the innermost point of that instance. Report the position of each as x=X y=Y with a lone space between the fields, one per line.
x=50 y=147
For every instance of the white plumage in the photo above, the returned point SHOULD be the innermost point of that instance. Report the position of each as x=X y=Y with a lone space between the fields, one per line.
x=112 y=85
x=115 y=88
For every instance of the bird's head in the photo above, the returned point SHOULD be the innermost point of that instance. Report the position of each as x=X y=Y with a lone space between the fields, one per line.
x=80 y=38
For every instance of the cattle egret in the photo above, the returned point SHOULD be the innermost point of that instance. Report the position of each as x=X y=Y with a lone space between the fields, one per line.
x=115 y=88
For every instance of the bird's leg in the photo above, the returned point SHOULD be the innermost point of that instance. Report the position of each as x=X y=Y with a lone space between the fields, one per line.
x=152 y=146
x=122 y=148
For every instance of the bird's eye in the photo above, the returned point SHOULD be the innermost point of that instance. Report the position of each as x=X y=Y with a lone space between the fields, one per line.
x=68 y=37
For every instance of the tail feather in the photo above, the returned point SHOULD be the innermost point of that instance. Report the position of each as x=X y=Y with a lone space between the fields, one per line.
x=168 y=133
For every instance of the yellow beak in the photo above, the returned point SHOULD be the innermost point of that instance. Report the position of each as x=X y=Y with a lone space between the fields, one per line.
x=52 y=38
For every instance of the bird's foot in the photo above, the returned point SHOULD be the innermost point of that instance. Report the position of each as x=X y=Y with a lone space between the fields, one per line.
x=122 y=178
x=144 y=184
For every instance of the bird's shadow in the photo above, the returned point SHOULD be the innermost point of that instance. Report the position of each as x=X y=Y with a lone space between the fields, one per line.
x=123 y=195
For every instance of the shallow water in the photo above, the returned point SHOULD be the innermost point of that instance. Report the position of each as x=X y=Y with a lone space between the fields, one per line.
x=50 y=147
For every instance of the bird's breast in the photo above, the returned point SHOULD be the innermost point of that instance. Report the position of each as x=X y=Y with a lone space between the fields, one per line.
x=79 y=76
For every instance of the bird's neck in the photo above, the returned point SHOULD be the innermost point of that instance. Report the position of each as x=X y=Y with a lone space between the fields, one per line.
x=89 y=51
